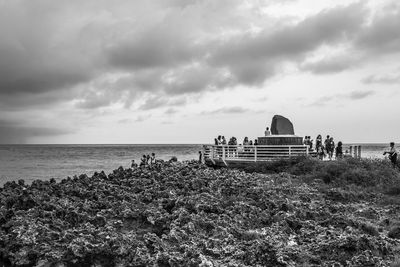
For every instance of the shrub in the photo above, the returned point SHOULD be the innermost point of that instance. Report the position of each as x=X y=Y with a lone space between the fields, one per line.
x=364 y=172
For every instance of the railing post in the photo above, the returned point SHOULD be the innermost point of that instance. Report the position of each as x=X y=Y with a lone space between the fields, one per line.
x=290 y=152
x=351 y=150
x=359 y=152
x=255 y=154
x=307 y=152
x=223 y=153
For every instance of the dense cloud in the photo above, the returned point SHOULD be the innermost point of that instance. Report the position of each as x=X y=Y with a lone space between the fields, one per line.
x=145 y=55
x=17 y=132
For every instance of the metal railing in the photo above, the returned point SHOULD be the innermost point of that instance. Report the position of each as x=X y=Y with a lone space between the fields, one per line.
x=253 y=153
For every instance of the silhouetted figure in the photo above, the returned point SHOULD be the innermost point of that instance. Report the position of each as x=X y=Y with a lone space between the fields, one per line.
x=318 y=142
x=392 y=154
x=326 y=141
x=256 y=142
x=153 y=158
x=200 y=156
x=321 y=152
x=219 y=140
x=331 y=147
x=143 y=161
x=339 y=150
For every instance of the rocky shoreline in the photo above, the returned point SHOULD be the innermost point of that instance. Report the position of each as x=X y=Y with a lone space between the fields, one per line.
x=186 y=214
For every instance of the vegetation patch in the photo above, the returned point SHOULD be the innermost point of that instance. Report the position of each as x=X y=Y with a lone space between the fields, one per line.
x=186 y=214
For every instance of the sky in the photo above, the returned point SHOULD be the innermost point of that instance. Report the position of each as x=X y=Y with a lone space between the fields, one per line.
x=185 y=71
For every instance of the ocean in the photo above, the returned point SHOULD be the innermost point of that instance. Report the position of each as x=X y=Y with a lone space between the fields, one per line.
x=31 y=162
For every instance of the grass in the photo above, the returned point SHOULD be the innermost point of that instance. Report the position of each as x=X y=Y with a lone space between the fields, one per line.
x=368 y=173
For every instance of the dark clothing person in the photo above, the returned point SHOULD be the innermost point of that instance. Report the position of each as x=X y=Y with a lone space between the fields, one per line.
x=392 y=154
x=143 y=161
x=200 y=157
x=339 y=150
x=321 y=152
x=223 y=140
x=330 y=147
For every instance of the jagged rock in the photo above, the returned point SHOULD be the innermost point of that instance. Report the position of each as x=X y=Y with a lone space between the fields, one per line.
x=394 y=232
x=281 y=125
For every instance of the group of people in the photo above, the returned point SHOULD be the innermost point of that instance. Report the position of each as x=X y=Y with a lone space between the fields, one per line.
x=220 y=140
x=326 y=148
x=323 y=148
x=145 y=161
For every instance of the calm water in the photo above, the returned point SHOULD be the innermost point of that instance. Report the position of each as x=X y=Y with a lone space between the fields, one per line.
x=31 y=162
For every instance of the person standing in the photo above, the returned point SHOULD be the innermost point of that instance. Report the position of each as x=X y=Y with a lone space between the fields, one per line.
x=318 y=142
x=267 y=132
x=331 y=147
x=223 y=140
x=219 y=139
x=143 y=161
x=310 y=143
x=246 y=141
x=392 y=154
x=133 y=164
x=339 y=150
x=321 y=152
x=153 y=158
x=326 y=141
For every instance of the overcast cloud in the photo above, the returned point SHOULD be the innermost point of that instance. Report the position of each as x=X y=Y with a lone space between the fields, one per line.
x=144 y=56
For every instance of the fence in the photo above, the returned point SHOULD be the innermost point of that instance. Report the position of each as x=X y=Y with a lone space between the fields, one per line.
x=252 y=153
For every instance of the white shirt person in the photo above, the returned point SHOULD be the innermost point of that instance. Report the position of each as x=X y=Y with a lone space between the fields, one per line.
x=267 y=132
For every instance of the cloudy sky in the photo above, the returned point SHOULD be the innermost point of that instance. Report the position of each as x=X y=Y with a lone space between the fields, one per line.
x=183 y=71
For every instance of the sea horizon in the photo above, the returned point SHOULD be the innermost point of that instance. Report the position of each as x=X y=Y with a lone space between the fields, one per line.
x=45 y=161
